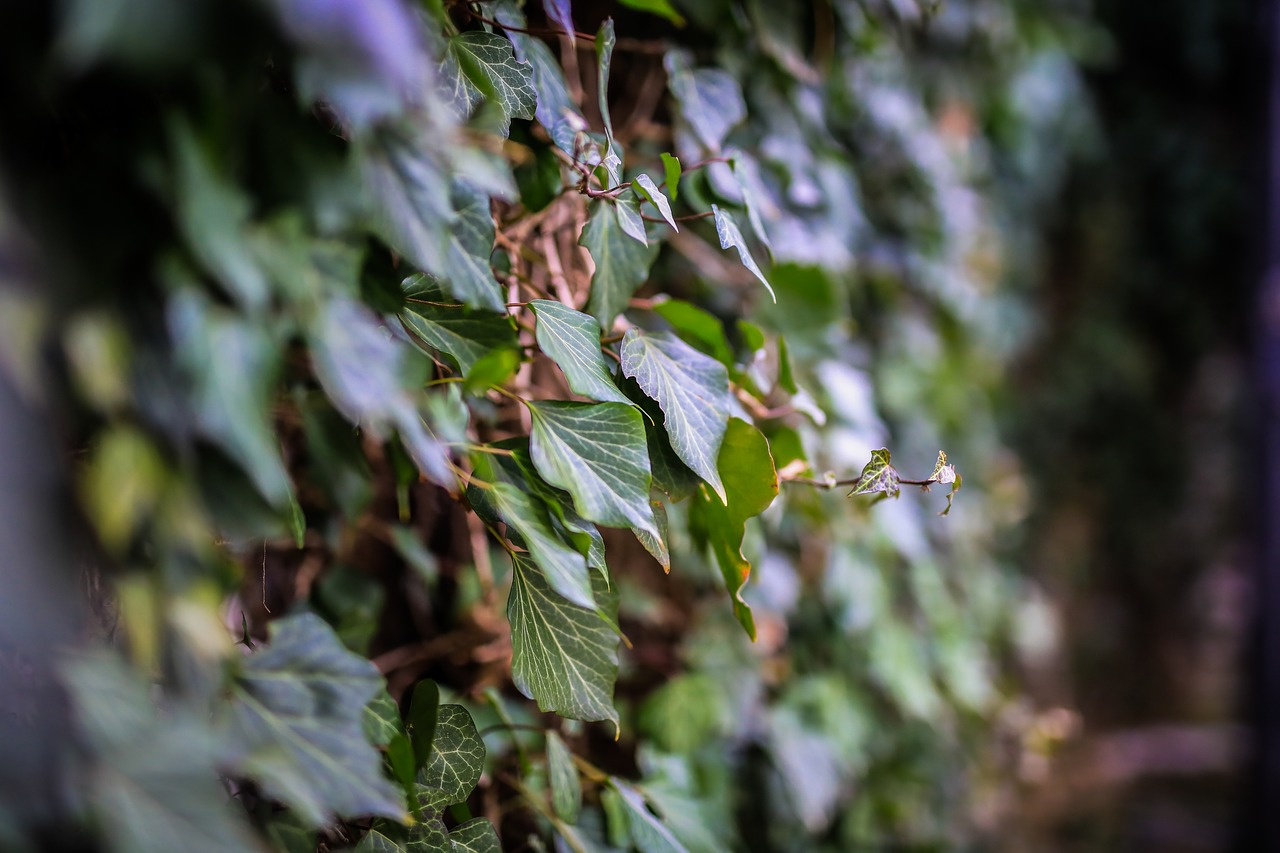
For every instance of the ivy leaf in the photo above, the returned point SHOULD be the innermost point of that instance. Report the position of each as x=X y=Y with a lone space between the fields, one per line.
x=475 y=836
x=466 y=334
x=153 y=786
x=466 y=271
x=358 y=364
x=480 y=63
x=693 y=391
x=877 y=476
x=657 y=545
x=630 y=220
x=700 y=327
x=752 y=483
x=295 y=716
x=424 y=713
x=556 y=111
x=363 y=58
x=710 y=99
x=559 y=12
x=457 y=759
x=647 y=832
x=526 y=514
x=671 y=168
x=604 y=59
x=566 y=787
x=731 y=237
x=232 y=368
x=945 y=473
x=381 y=719
x=572 y=340
x=622 y=263
x=597 y=453
x=563 y=656
x=661 y=8
x=647 y=189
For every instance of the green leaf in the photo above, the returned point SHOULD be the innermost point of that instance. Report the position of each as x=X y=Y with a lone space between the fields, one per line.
x=572 y=340
x=231 y=368
x=693 y=391
x=457 y=759
x=710 y=99
x=359 y=366
x=295 y=717
x=152 y=785
x=877 y=476
x=647 y=832
x=661 y=8
x=786 y=372
x=464 y=333
x=604 y=58
x=489 y=68
x=475 y=836
x=526 y=514
x=424 y=711
x=731 y=237
x=648 y=190
x=466 y=271
x=671 y=167
x=622 y=263
x=630 y=219
x=752 y=483
x=381 y=719
x=701 y=328
x=492 y=370
x=566 y=787
x=657 y=545
x=564 y=657
x=287 y=835
x=596 y=452
x=556 y=111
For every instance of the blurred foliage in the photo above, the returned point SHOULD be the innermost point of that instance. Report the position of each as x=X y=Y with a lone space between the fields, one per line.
x=362 y=320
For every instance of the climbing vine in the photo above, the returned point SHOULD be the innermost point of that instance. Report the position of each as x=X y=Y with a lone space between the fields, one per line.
x=432 y=368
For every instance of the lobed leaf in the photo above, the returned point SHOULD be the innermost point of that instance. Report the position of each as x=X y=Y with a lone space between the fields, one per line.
x=597 y=453
x=457 y=330
x=693 y=391
x=295 y=718
x=563 y=656
x=479 y=64
x=877 y=476
x=572 y=340
x=751 y=483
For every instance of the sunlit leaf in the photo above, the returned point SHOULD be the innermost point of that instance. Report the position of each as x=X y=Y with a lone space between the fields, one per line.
x=563 y=656
x=295 y=718
x=693 y=391
x=671 y=170
x=751 y=483
x=731 y=238
x=647 y=189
